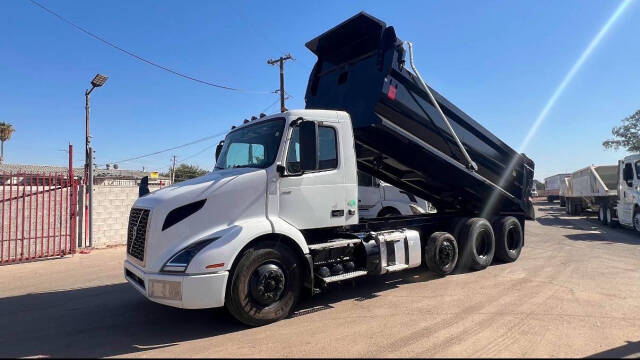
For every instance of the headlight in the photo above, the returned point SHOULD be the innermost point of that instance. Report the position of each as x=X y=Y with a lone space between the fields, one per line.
x=180 y=261
x=416 y=210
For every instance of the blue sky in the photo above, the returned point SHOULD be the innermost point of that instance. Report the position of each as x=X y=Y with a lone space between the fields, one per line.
x=499 y=61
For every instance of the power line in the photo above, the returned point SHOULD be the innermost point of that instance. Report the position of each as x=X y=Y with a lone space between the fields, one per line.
x=198 y=153
x=169 y=149
x=140 y=57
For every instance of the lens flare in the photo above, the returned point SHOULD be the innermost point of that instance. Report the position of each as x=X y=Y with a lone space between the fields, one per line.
x=488 y=209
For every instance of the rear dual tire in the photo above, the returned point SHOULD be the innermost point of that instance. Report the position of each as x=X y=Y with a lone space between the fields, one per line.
x=509 y=239
x=476 y=242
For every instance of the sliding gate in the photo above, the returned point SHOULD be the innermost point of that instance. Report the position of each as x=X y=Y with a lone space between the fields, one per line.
x=38 y=216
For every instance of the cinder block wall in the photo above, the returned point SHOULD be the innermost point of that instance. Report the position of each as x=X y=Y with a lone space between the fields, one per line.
x=111 y=206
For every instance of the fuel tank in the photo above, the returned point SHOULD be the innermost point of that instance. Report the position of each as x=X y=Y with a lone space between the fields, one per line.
x=400 y=136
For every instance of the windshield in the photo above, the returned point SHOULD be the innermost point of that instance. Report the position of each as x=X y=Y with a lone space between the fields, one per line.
x=252 y=146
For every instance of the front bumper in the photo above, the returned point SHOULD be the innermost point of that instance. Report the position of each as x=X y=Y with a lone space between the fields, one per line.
x=182 y=291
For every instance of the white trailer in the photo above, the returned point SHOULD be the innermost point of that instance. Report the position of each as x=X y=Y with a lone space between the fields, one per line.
x=611 y=190
x=552 y=186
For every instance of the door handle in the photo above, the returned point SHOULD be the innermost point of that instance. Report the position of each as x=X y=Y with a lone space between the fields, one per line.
x=337 y=213
x=286 y=192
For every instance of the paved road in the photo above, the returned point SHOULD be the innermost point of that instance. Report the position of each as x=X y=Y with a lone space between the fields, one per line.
x=574 y=292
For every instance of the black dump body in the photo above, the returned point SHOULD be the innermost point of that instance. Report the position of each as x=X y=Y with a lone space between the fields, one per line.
x=400 y=137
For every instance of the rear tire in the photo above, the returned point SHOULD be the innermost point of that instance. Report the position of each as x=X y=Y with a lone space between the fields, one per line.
x=602 y=216
x=509 y=239
x=441 y=253
x=265 y=285
x=563 y=202
x=609 y=214
x=477 y=244
x=389 y=211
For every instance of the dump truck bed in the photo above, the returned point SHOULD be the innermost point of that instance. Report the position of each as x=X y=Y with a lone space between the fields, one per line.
x=594 y=181
x=400 y=137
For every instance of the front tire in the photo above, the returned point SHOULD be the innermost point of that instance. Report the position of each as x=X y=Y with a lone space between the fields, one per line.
x=265 y=285
x=636 y=220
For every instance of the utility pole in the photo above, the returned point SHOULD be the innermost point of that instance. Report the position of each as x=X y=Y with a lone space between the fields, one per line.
x=281 y=61
x=173 y=170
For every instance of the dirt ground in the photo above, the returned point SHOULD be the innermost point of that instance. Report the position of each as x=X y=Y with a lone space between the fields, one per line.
x=574 y=292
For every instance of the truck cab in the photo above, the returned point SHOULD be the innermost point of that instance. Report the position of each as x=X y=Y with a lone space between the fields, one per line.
x=629 y=192
x=379 y=199
x=275 y=177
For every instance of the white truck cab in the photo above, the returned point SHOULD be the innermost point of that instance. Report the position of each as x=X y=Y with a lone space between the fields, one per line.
x=628 y=207
x=379 y=199
x=186 y=237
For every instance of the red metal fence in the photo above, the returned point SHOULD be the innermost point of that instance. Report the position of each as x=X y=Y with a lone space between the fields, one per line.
x=38 y=216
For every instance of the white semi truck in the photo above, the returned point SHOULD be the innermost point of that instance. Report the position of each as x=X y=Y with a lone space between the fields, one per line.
x=278 y=215
x=379 y=199
x=611 y=190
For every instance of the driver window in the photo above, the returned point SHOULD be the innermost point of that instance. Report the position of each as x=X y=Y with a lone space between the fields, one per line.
x=627 y=174
x=293 y=153
x=638 y=169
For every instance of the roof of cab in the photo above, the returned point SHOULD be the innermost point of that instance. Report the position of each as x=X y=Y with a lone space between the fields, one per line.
x=315 y=114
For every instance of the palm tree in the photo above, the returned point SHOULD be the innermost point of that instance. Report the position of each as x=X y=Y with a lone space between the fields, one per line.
x=5 y=134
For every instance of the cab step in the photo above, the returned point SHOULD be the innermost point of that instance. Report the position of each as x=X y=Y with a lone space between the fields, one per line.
x=396 y=267
x=345 y=276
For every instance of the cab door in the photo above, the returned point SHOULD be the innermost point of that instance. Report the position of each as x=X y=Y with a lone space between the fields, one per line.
x=625 y=193
x=317 y=196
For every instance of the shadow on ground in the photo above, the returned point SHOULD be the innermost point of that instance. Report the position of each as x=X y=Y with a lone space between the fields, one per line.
x=555 y=216
x=114 y=319
x=630 y=349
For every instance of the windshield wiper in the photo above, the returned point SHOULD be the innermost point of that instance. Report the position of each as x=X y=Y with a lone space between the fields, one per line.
x=243 y=166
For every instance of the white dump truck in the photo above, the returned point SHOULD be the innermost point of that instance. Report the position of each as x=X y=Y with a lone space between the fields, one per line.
x=611 y=190
x=278 y=215
x=379 y=199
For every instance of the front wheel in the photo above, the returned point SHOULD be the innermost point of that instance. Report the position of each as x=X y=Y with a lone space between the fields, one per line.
x=636 y=221
x=265 y=285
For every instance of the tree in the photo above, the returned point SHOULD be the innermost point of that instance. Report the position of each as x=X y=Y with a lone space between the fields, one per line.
x=185 y=172
x=5 y=134
x=627 y=135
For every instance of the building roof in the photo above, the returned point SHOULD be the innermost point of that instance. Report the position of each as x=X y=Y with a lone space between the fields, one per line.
x=79 y=172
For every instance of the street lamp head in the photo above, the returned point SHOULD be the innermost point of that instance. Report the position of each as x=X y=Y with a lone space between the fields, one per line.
x=99 y=80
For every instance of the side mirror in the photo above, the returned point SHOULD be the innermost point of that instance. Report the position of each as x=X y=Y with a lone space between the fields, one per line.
x=308 y=146
x=219 y=149
x=143 y=188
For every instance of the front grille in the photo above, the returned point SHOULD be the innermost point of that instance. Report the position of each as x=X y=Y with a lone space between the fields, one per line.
x=137 y=232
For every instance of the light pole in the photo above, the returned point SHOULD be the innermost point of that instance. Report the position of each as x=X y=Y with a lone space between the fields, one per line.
x=97 y=81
